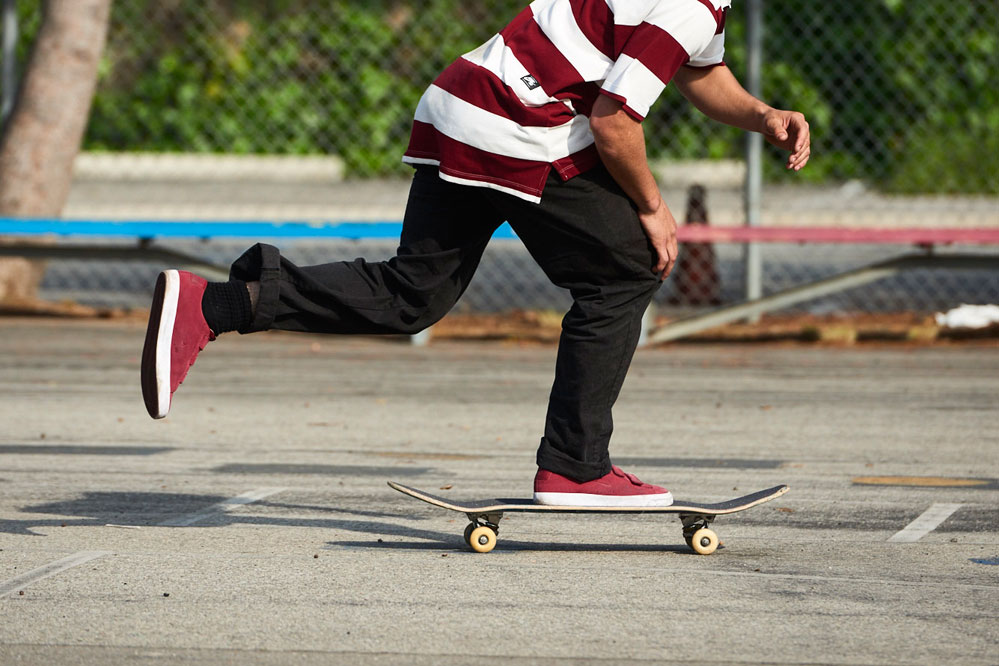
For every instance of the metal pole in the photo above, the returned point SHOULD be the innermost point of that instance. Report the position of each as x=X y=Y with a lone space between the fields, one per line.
x=754 y=150
x=8 y=66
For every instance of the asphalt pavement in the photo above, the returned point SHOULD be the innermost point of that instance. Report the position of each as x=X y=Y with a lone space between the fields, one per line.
x=255 y=526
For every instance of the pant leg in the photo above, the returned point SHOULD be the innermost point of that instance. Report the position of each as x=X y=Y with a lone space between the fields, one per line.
x=445 y=230
x=587 y=237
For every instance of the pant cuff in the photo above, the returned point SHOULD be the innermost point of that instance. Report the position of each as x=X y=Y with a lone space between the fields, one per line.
x=553 y=460
x=261 y=263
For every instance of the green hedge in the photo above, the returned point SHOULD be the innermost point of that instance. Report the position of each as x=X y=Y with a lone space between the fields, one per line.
x=279 y=77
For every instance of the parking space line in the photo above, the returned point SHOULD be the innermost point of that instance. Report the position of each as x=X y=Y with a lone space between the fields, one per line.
x=925 y=523
x=926 y=482
x=51 y=569
x=222 y=507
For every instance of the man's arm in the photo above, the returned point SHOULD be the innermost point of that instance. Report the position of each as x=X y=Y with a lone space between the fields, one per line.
x=718 y=95
x=620 y=140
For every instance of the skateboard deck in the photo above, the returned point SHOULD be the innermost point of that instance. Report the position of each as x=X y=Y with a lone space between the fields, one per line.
x=480 y=535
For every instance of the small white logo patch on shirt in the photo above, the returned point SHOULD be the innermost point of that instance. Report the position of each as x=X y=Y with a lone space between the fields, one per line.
x=530 y=82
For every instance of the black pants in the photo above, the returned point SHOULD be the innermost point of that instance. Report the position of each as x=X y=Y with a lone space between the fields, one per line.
x=585 y=235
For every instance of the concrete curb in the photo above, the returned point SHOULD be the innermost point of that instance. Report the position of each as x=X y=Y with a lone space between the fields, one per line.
x=208 y=166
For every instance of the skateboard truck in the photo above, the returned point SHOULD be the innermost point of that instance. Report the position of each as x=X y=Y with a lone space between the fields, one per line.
x=480 y=535
x=697 y=533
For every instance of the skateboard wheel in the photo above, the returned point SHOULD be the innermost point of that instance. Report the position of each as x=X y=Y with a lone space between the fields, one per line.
x=468 y=533
x=703 y=541
x=482 y=539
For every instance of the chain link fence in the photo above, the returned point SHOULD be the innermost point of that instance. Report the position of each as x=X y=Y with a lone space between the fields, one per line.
x=901 y=97
x=508 y=279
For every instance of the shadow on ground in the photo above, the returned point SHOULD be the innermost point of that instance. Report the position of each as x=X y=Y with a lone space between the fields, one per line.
x=103 y=508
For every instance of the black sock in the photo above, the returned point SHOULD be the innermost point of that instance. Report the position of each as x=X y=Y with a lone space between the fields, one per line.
x=226 y=306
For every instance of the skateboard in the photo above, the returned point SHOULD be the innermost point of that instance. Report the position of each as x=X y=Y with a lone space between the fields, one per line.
x=696 y=517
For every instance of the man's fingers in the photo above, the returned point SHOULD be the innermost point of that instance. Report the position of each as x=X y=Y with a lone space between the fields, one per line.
x=660 y=229
x=667 y=258
x=662 y=261
x=799 y=159
x=802 y=142
x=668 y=269
x=802 y=131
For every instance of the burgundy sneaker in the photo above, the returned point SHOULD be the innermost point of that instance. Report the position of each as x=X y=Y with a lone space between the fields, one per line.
x=615 y=489
x=177 y=331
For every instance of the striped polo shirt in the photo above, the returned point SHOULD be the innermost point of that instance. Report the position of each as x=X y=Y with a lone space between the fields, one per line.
x=505 y=114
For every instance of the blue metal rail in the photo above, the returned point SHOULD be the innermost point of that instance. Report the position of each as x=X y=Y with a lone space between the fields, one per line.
x=150 y=229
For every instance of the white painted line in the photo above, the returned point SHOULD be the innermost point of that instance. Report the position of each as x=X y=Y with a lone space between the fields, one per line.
x=222 y=507
x=51 y=569
x=925 y=524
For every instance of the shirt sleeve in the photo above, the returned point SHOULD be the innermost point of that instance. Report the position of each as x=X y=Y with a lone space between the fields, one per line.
x=654 y=49
x=713 y=55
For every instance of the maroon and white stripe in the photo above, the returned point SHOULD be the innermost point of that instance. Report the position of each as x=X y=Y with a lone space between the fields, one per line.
x=502 y=115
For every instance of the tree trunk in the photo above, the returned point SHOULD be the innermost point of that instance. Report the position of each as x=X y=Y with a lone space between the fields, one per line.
x=45 y=128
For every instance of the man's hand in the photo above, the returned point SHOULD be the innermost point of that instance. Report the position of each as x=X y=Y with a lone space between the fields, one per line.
x=660 y=227
x=717 y=93
x=789 y=131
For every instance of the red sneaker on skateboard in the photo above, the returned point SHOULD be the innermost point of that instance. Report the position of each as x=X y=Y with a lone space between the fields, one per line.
x=615 y=489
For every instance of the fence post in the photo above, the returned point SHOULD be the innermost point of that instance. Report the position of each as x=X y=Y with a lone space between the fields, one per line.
x=8 y=64
x=753 y=193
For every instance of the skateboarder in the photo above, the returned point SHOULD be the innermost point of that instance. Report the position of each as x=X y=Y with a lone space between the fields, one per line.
x=540 y=126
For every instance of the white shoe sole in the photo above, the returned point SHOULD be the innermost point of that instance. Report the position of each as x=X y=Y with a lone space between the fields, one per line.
x=160 y=336
x=586 y=499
